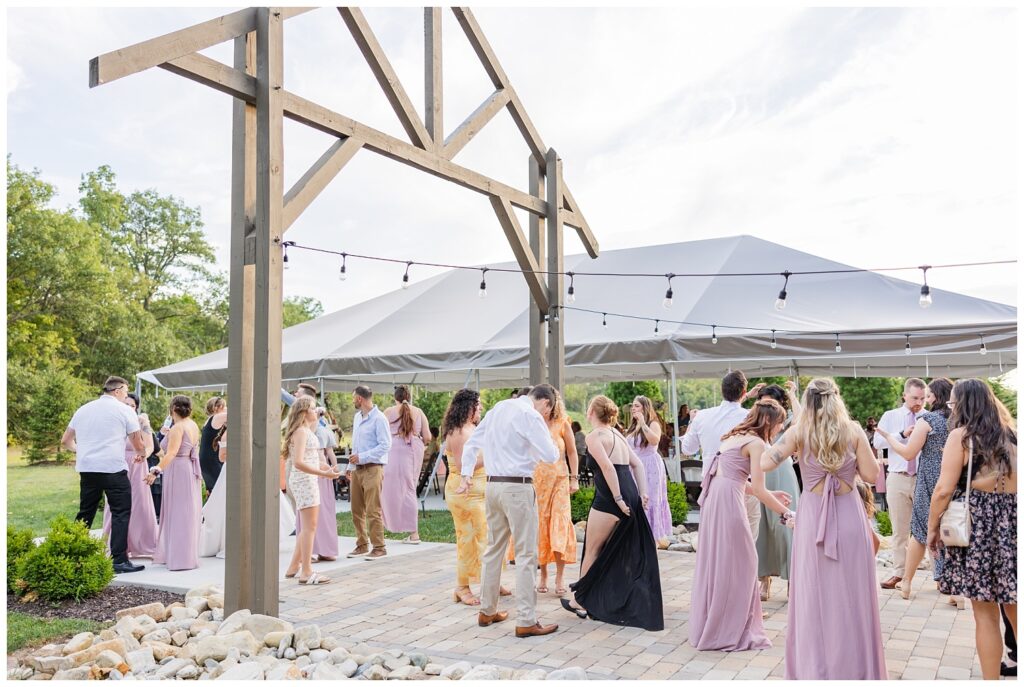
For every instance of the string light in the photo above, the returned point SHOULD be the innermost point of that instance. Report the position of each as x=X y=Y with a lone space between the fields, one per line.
x=604 y=320
x=284 y=248
x=405 y=277
x=926 y=293
x=780 y=302
x=907 y=349
x=667 y=303
x=571 y=298
x=839 y=347
x=775 y=344
x=714 y=336
x=656 y=322
x=554 y=313
x=342 y=276
x=982 y=350
x=483 y=283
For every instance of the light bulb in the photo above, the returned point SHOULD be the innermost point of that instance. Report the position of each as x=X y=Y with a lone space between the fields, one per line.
x=483 y=289
x=604 y=321
x=982 y=350
x=571 y=298
x=775 y=344
x=342 y=275
x=839 y=349
x=405 y=281
x=714 y=339
x=926 y=297
x=667 y=303
x=780 y=302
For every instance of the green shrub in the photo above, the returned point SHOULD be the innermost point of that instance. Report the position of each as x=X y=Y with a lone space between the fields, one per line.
x=19 y=543
x=70 y=564
x=884 y=523
x=56 y=398
x=677 y=503
x=580 y=502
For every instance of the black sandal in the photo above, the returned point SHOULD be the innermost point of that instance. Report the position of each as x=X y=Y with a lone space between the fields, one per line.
x=578 y=612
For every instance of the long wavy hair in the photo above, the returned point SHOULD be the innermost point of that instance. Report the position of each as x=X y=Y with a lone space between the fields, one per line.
x=405 y=422
x=987 y=422
x=459 y=411
x=296 y=418
x=823 y=424
x=764 y=416
x=941 y=388
x=650 y=417
x=558 y=411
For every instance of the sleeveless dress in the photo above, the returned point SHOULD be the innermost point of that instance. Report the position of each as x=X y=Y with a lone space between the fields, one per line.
x=178 y=537
x=725 y=605
x=774 y=540
x=623 y=586
x=401 y=473
x=209 y=463
x=658 y=514
x=929 y=465
x=325 y=541
x=833 y=630
x=555 y=532
x=142 y=525
x=302 y=486
x=470 y=517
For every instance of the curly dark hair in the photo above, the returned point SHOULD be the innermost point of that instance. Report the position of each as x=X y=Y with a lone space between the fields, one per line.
x=459 y=411
x=987 y=422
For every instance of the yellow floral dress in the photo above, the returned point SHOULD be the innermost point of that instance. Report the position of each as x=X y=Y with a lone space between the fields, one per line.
x=470 y=519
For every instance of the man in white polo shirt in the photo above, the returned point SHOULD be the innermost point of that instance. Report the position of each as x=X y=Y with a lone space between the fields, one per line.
x=97 y=434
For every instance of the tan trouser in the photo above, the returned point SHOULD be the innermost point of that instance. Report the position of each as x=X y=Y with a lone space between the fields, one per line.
x=753 y=514
x=364 y=495
x=899 y=495
x=511 y=511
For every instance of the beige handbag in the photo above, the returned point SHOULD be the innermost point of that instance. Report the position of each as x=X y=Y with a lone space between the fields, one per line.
x=955 y=525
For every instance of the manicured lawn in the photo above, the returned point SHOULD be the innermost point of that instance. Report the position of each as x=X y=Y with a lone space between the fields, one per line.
x=38 y=493
x=435 y=526
x=26 y=630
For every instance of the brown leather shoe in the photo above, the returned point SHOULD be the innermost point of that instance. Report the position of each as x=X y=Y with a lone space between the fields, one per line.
x=536 y=630
x=892 y=582
x=483 y=620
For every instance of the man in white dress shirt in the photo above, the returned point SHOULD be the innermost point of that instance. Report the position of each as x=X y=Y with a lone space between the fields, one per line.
x=513 y=438
x=902 y=479
x=707 y=428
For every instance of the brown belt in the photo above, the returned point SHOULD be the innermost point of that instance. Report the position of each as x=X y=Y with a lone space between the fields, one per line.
x=513 y=480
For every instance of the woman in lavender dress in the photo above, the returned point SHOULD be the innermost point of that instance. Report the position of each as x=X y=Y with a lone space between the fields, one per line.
x=644 y=434
x=725 y=605
x=180 y=520
x=833 y=628
x=410 y=433
x=142 y=527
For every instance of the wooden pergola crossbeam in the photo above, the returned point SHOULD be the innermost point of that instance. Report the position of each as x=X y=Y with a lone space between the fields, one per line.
x=316 y=179
x=474 y=123
x=522 y=250
x=386 y=77
x=433 y=91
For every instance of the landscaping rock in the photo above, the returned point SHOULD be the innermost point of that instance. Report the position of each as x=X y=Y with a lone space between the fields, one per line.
x=680 y=547
x=456 y=670
x=189 y=672
x=348 y=667
x=216 y=602
x=217 y=647
x=535 y=674
x=182 y=613
x=160 y=635
x=568 y=674
x=79 y=642
x=285 y=671
x=179 y=638
x=171 y=668
x=52 y=664
x=484 y=671
x=218 y=614
x=107 y=635
x=156 y=611
x=302 y=661
x=393 y=663
x=170 y=609
x=433 y=669
x=243 y=671
x=274 y=639
x=419 y=660
x=204 y=591
x=340 y=655
x=309 y=635
x=375 y=672
x=329 y=643
x=328 y=671
x=79 y=673
x=234 y=622
x=261 y=625
x=109 y=659
x=197 y=604
x=89 y=655
x=289 y=653
x=141 y=660
x=319 y=655
x=409 y=672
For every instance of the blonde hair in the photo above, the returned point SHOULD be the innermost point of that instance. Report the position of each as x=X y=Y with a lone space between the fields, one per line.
x=823 y=424
x=604 y=409
x=296 y=419
x=558 y=411
x=866 y=496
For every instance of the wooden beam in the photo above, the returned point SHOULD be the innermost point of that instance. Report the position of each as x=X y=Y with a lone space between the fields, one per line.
x=267 y=329
x=521 y=249
x=141 y=56
x=386 y=76
x=316 y=179
x=433 y=89
x=241 y=293
x=556 y=267
x=214 y=74
x=474 y=123
x=289 y=12
x=573 y=217
x=482 y=48
x=538 y=328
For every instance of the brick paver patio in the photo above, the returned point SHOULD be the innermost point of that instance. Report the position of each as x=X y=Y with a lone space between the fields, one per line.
x=406 y=602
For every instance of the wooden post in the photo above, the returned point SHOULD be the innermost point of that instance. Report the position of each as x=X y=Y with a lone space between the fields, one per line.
x=433 y=107
x=267 y=329
x=538 y=342
x=556 y=265
x=237 y=582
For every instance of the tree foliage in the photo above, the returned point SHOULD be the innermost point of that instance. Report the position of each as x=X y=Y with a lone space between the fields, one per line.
x=622 y=393
x=870 y=396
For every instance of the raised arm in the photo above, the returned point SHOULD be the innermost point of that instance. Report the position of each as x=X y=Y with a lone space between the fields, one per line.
x=773 y=457
x=914 y=444
x=755 y=451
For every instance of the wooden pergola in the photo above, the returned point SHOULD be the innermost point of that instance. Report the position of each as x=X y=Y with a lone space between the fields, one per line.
x=261 y=212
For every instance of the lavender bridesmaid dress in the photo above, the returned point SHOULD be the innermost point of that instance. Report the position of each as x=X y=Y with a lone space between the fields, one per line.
x=725 y=605
x=142 y=527
x=833 y=630
x=181 y=509
x=401 y=474
x=658 y=513
x=325 y=541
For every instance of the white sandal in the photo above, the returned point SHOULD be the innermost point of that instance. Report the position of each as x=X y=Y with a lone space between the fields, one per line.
x=410 y=540
x=316 y=578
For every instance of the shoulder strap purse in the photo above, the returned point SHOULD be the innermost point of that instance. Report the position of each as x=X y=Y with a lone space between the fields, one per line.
x=955 y=525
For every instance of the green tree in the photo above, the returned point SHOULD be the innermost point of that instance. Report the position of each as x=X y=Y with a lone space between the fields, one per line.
x=57 y=395
x=299 y=309
x=622 y=393
x=870 y=396
x=432 y=403
x=1004 y=393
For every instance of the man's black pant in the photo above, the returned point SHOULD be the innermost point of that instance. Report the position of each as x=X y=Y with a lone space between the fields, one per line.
x=119 y=497
x=1008 y=639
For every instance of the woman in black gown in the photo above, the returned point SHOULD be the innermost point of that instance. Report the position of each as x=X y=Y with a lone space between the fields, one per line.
x=619 y=578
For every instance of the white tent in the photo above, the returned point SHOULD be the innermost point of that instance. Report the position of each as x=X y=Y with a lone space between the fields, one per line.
x=440 y=334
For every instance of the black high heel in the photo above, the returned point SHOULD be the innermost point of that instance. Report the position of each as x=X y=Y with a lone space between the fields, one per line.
x=578 y=612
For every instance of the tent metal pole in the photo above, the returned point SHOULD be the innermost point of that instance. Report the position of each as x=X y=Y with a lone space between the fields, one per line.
x=469 y=376
x=478 y=380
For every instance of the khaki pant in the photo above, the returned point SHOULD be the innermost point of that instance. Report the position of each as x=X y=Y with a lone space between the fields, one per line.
x=364 y=495
x=899 y=495
x=753 y=514
x=511 y=512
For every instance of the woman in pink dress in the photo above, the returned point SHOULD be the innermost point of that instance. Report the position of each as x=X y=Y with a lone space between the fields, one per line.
x=833 y=629
x=725 y=604
x=142 y=527
x=645 y=433
x=181 y=511
x=410 y=433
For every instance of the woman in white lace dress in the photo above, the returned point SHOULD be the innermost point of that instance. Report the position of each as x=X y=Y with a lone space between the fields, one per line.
x=303 y=467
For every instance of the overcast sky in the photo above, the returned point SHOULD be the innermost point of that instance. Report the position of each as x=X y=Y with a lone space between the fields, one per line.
x=876 y=137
